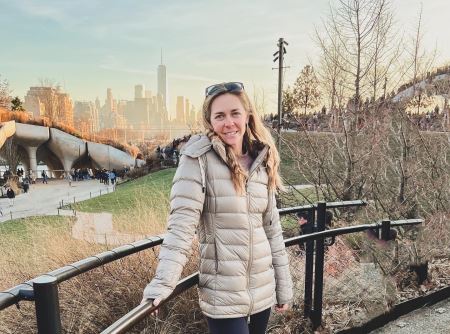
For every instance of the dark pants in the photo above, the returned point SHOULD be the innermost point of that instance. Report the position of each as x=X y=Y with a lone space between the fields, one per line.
x=257 y=325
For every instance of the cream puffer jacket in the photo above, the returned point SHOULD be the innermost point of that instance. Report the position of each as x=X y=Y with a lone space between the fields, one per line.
x=244 y=267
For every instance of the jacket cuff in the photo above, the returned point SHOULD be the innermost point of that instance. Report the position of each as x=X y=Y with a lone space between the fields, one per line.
x=150 y=292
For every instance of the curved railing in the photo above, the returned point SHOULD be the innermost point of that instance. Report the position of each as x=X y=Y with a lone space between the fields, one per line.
x=44 y=289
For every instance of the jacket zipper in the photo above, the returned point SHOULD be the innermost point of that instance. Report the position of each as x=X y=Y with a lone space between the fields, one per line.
x=216 y=257
x=252 y=170
x=250 y=251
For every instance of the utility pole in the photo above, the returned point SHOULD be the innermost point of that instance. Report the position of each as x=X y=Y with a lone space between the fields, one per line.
x=279 y=55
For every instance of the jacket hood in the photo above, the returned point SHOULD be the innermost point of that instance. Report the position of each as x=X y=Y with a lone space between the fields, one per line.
x=196 y=146
x=200 y=144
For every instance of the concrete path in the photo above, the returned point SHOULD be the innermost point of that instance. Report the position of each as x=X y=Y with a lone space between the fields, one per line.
x=44 y=199
x=434 y=319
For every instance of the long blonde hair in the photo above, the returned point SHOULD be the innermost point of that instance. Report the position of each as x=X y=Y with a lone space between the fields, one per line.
x=256 y=136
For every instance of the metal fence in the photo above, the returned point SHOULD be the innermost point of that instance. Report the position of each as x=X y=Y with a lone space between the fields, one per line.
x=312 y=264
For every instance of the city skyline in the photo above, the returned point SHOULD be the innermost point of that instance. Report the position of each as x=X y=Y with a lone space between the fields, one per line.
x=87 y=47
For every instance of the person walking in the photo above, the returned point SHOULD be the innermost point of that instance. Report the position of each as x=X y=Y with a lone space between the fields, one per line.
x=44 y=177
x=225 y=188
x=69 y=178
x=11 y=196
x=26 y=184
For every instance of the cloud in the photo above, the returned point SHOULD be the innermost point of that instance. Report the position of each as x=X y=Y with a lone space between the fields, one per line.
x=191 y=77
x=112 y=64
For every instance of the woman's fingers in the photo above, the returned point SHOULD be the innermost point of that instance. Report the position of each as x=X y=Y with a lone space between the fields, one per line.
x=155 y=303
x=280 y=308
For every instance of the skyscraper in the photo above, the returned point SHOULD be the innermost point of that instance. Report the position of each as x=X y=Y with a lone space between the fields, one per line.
x=180 y=110
x=162 y=82
x=139 y=92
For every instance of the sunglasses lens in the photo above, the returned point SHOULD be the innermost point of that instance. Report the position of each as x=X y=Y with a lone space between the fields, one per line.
x=228 y=86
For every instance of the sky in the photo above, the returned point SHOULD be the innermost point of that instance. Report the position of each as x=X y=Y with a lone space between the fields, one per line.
x=88 y=46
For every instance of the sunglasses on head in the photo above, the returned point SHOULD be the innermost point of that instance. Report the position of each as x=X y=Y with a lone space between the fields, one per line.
x=224 y=87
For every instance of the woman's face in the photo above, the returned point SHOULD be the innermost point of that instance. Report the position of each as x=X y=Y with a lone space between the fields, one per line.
x=228 y=119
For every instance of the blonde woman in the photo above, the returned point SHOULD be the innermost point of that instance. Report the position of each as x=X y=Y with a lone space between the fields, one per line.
x=225 y=189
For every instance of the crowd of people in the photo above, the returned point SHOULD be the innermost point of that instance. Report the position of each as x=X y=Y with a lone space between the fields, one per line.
x=21 y=181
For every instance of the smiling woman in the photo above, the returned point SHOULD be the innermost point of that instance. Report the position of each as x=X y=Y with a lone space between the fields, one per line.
x=225 y=189
x=229 y=121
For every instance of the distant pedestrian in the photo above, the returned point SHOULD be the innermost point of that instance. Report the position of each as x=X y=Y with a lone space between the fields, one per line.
x=44 y=177
x=69 y=179
x=32 y=177
x=26 y=184
x=11 y=195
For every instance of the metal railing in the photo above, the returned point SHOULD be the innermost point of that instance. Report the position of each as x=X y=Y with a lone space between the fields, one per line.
x=44 y=289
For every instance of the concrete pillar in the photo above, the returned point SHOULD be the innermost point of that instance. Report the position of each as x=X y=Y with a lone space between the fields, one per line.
x=31 y=150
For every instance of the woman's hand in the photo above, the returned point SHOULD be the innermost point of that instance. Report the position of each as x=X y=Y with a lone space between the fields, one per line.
x=155 y=303
x=280 y=308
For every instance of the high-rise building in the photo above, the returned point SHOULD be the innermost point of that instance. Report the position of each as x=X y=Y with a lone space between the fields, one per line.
x=180 y=110
x=162 y=83
x=187 y=108
x=86 y=117
x=108 y=111
x=138 y=92
x=51 y=103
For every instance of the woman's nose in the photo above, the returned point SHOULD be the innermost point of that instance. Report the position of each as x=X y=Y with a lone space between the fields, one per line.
x=228 y=121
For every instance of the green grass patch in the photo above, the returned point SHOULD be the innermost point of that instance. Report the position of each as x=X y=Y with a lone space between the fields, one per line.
x=154 y=187
x=26 y=228
x=139 y=206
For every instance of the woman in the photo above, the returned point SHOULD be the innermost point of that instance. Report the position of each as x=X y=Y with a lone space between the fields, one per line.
x=225 y=186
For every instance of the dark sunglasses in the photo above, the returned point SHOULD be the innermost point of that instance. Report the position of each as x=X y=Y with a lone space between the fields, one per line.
x=224 y=87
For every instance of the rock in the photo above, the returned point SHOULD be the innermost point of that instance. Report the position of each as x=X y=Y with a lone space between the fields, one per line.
x=362 y=282
x=440 y=310
x=401 y=324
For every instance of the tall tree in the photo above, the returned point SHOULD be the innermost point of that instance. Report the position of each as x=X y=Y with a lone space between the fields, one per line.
x=5 y=98
x=288 y=102
x=350 y=41
x=16 y=104
x=306 y=92
x=12 y=154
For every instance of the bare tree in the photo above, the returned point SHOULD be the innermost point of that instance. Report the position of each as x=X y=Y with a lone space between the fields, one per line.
x=259 y=100
x=12 y=154
x=331 y=76
x=354 y=31
x=5 y=97
x=49 y=97
x=288 y=103
x=353 y=40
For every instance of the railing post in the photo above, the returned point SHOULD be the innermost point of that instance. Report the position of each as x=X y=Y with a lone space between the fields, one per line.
x=385 y=230
x=47 y=305
x=309 y=264
x=319 y=262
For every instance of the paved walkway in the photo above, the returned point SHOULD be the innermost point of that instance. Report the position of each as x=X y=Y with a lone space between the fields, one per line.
x=44 y=199
x=434 y=319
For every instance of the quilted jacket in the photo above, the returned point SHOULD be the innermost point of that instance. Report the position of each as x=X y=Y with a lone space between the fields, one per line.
x=243 y=266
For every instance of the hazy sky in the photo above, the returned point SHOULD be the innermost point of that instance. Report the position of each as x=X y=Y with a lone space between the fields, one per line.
x=90 y=45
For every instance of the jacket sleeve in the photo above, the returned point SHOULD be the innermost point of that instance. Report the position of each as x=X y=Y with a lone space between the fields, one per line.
x=280 y=260
x=186 y=205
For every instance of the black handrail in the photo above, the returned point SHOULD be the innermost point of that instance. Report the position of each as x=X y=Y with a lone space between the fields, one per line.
x=50 y=281
x=140 y=312
x=330 y=205
x=24 y=291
